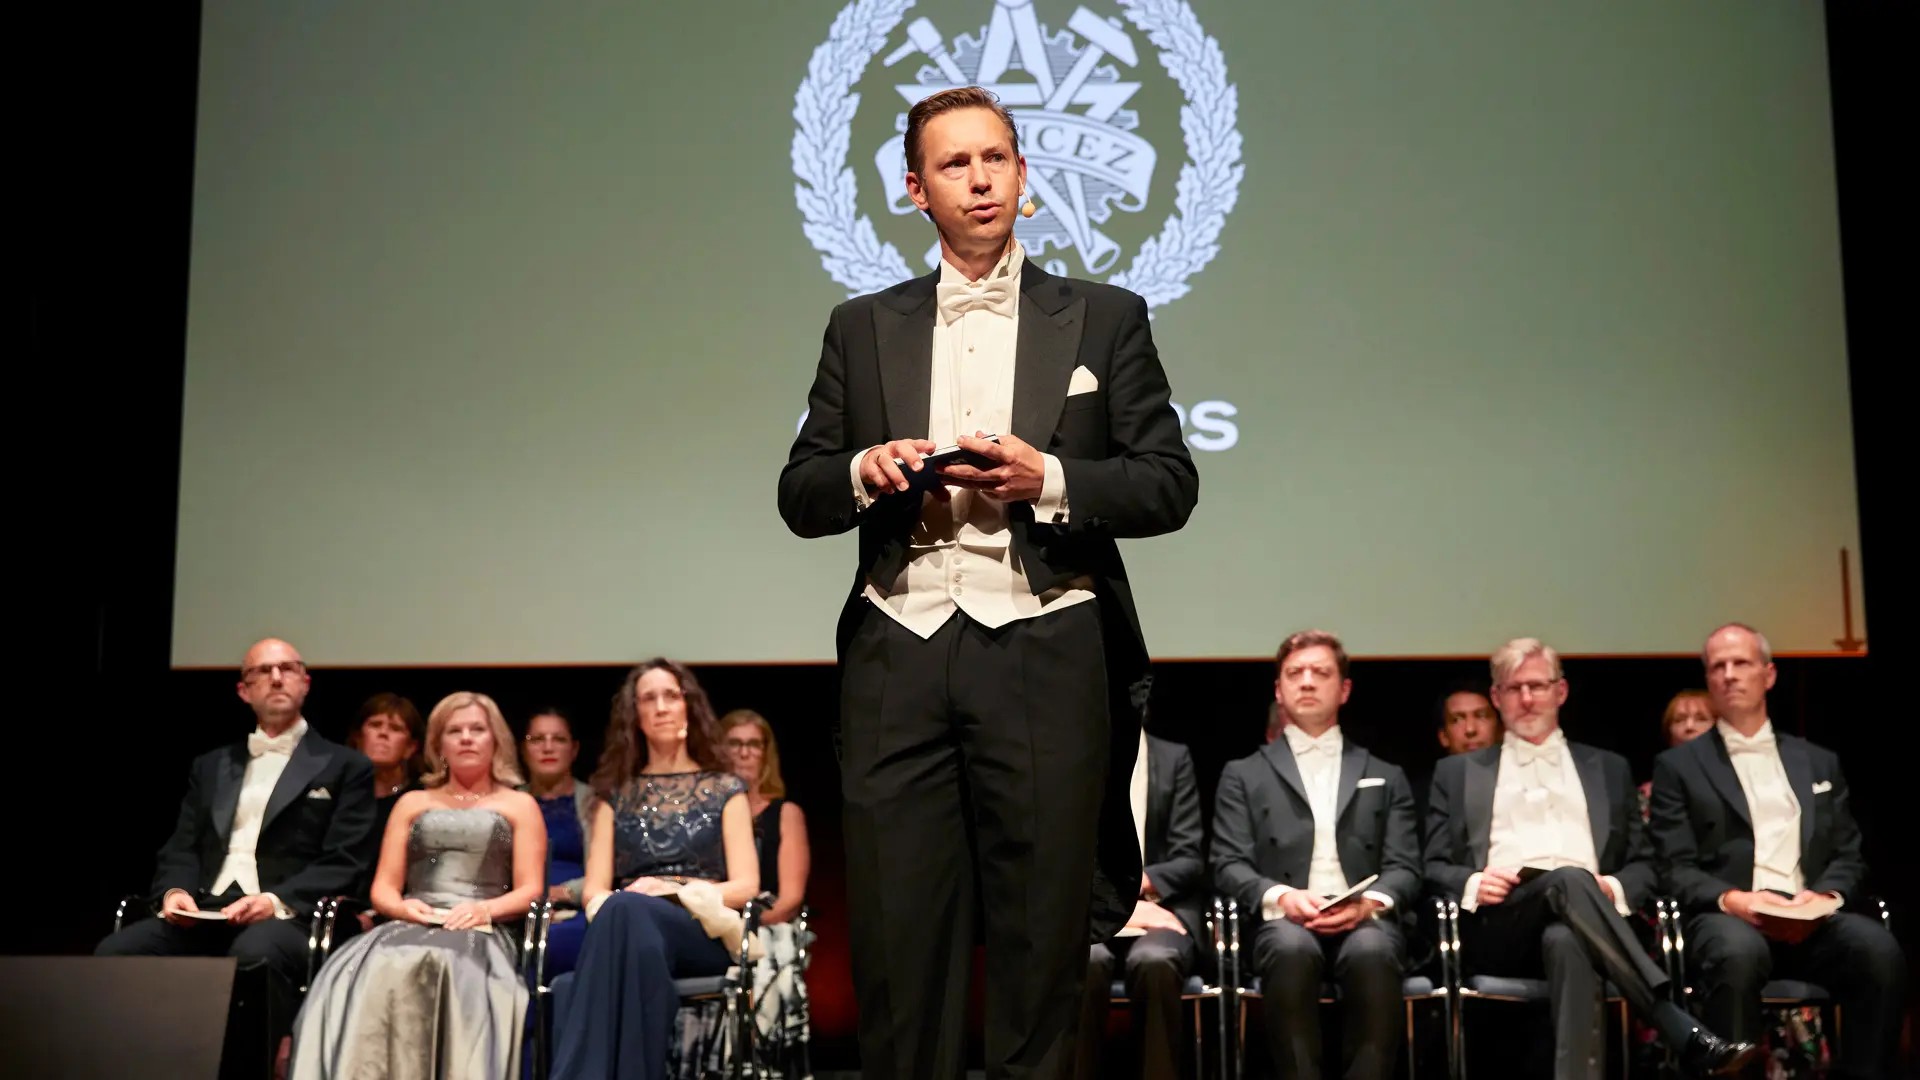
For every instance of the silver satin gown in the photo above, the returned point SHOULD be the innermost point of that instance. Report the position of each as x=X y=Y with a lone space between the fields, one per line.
x=412 y=1002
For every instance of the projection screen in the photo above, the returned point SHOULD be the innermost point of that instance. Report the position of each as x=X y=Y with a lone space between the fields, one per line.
x=1483 y=318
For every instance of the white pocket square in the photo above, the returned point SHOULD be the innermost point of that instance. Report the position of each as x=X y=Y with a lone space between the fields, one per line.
x=319 y=793
x=1082 y=382
x=1370 y=781
x=1821 y=787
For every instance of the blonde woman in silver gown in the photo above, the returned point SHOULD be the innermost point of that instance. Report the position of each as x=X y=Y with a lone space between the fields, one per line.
x=435 y=992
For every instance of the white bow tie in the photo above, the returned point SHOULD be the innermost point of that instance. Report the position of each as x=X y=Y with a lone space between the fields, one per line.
x=1526 y=753
x=281 y=744
x=1737 y=743
x=1304 y=744
x=957 y=298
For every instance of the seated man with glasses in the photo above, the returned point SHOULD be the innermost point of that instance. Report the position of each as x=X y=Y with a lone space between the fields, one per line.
x=1540 y=840
x=269 y=826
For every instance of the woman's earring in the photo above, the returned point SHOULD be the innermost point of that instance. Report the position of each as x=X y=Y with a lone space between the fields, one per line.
x=1027 y=209
x=683 y=731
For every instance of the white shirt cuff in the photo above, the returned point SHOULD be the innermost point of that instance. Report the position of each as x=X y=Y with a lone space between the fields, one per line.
x=1385 y=901
x=861 y=500
x=1270 y=903
x=1470 y=896
x=1721 y=901
x=280 y=910
x=1050 y=508
x=1619 y=894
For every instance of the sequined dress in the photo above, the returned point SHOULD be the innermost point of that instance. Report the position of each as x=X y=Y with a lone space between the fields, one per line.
x=413 y=1002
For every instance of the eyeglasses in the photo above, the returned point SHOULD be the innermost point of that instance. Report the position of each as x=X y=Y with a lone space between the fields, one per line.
x=548 y=740
x=267 y=672
x=737 y=745
x=1537 y=688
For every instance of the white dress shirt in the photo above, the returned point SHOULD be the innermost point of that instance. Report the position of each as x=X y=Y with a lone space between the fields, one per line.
x=960 y=557
x=1771 y=805
x=1318 y=759
x=267 y=759
x=1137 y=795
x=1540 y=815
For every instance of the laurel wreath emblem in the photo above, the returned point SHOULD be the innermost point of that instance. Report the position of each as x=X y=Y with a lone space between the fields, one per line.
x=852 y=252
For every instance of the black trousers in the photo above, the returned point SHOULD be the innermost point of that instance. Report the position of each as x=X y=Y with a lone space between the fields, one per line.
x=1154 y=967
x=972 y=764
x=1365 y=962
x=273 y=965
x=1850 y=955
x=1563 y=921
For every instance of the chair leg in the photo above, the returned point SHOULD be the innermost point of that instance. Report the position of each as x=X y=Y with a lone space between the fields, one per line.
x=1626 y=1041
x=1199 y=1041
x=1413 y=1064
x=1460 y=1038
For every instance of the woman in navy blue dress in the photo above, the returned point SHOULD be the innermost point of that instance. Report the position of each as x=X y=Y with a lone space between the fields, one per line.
x=670 y=814
x=548 y=750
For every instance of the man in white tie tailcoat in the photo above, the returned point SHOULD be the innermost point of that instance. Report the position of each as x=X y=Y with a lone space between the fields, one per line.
x=268 y=827
x=1300 y=822
x=1540 y=841
x=992 y=665
x=1745 y=814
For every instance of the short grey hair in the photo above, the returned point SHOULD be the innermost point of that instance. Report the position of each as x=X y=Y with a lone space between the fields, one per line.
x=1508 y=658
x=1766 y=647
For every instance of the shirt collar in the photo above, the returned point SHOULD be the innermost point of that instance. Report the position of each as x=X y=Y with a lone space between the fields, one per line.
x=1733 y=738
x=1008 y=267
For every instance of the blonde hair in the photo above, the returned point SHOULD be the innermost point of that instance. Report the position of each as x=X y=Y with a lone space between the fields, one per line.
x=1508 y=658
x=769 y=783
x=506 y=766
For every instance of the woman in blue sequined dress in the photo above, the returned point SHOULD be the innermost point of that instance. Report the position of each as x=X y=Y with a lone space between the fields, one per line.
x=670 y=813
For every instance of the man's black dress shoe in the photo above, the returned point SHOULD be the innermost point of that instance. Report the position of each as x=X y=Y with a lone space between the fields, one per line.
x=1707 y=1054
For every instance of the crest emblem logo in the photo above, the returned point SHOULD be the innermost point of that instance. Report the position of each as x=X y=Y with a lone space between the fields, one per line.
x=1067 y=89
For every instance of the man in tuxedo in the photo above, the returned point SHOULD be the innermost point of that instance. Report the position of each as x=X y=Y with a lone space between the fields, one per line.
x=1301 y=821
x=992 y=665
x=1159 y=947
x=1743 y=814
x=267 y=828
x=1540 y=841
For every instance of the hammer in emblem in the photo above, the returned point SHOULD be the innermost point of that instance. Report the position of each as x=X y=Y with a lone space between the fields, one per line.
x=923 y=36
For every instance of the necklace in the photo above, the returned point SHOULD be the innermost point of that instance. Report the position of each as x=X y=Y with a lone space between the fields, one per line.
x=466 y=796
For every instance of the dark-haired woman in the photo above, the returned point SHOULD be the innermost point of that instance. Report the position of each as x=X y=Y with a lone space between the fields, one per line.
x=673 y=832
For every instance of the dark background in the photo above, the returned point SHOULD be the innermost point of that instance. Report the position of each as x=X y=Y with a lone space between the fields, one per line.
x=103 y=728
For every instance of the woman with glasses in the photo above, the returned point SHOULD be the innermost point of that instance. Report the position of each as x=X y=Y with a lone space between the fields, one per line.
x=671 y=851
x=548 y=751
x=780 y=834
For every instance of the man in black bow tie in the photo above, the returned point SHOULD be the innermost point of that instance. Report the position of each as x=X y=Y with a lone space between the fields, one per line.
x=1540 y=841
x=1745 y=815
x=268 y=827
x=992 y=665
